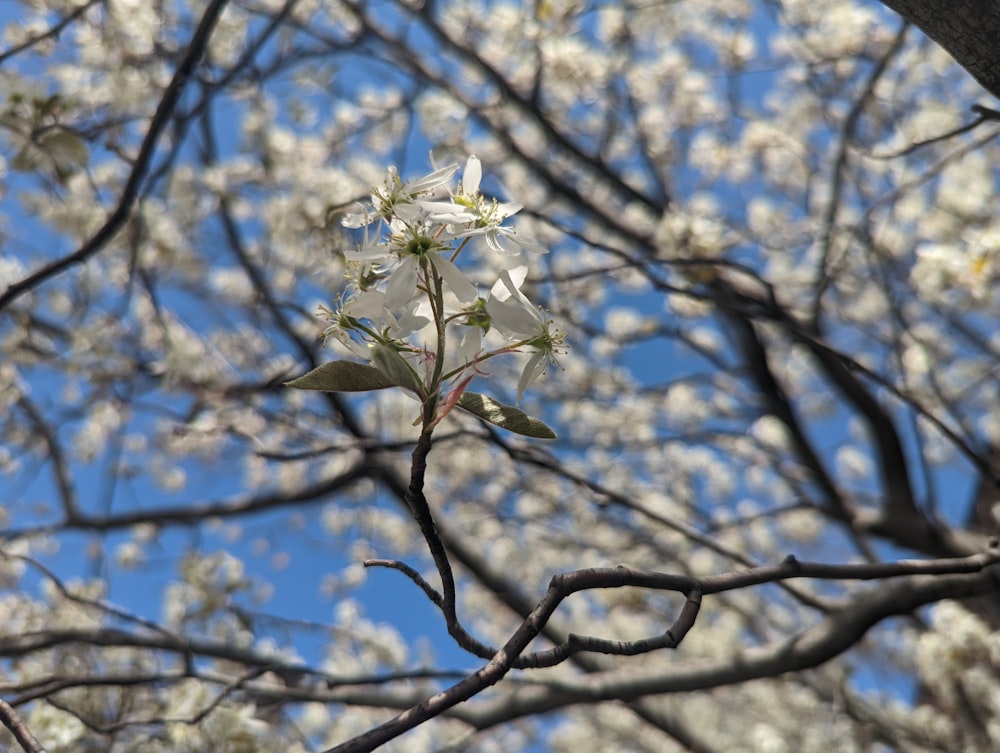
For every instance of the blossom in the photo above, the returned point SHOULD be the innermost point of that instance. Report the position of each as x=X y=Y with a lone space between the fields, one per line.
x=407 y=291
x=488 y=214
x=394 y=195
x=517 y=318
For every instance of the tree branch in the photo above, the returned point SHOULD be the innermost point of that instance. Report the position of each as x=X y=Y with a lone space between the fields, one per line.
x=967 y=29
x=417 y=503
x=140 y=168
x=929 y=580
x=12 y=721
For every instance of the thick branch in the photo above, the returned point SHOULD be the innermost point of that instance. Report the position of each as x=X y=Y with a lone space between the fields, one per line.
x=967 y=29
x=778 y=404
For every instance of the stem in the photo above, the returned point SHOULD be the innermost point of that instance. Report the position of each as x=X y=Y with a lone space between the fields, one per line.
x=417 y=503
x=437 y=306
x=515 y=348
x=459 y=249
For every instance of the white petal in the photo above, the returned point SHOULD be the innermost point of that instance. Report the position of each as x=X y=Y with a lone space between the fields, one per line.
x=368 y=305
x=358 y=219
x=472 y=175
x=509 y=283
x=492 y=243
x=513 y=319
x=470 y=345
x=409 y=323
x=367 y=253
x=446 y=211
x=533 y=369
x=464 y=290
x=402 y=284
x=344 y=338
x=431 y=180
x=507 y=208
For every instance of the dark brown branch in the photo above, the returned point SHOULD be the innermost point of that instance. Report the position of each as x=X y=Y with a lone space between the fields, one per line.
x=412 y=574
x=985 y=115
x=578 y=643
x=953 y=577
x=900 y=503
x=260 y=282
x=554 y=136
x=196 y=513
x=811 y=648
x=45 y=688
x=60 y=464
x=540 y=163
x=835 y=201
x=777 y=403
x=417 y=503
x=712 y=543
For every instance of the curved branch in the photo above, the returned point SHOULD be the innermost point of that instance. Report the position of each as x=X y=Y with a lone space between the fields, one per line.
x=811 y=648
x=901 y=518
x=417 y=502
x=929 y=580
x=836 y=194
x=777 y=403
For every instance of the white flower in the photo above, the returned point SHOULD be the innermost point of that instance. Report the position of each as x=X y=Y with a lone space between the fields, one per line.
x=393 y=195
x=407 y=291
x=401 y=285
x=510 y=310
x=427 y=211
x=471 y=344
x=487 y=214
x=518 y=319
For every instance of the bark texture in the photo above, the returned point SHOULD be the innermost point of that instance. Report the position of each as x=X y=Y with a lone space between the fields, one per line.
x=967 y=29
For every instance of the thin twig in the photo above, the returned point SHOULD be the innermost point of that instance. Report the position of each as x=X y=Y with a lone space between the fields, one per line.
x=52 y=32
x=409 y=572
x=985 y=114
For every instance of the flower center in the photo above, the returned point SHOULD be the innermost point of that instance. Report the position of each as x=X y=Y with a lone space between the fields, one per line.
x=419 y=245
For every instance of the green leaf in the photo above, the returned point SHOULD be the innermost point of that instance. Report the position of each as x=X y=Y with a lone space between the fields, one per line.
x=505 y=416
x=395 y=368
x=343 y=376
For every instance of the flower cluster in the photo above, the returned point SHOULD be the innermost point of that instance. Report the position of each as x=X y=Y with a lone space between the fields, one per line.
x=412 y=311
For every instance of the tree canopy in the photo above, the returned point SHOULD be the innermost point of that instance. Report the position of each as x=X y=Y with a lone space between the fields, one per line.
x=698 y=300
